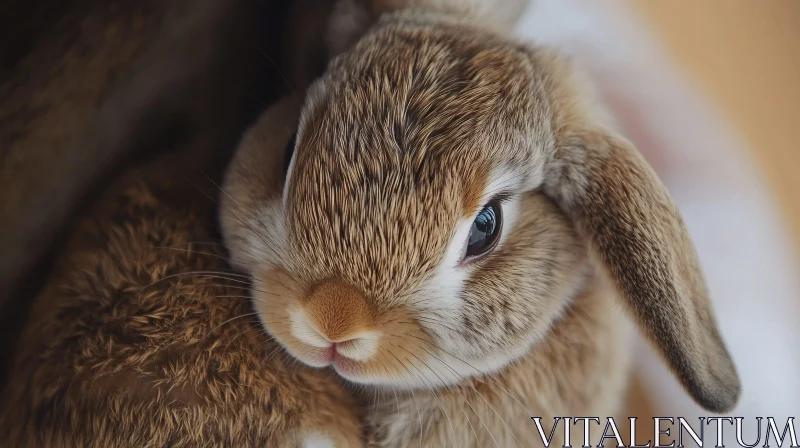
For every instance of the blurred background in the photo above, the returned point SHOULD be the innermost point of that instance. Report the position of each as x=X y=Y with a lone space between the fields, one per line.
x=736 y=66
x=709 y=92
x=745 y=55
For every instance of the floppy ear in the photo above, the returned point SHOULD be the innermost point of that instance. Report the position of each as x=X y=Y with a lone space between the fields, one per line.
x=632 y=224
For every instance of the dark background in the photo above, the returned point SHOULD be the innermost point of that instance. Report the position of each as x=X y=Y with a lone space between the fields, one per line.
x=265 y=61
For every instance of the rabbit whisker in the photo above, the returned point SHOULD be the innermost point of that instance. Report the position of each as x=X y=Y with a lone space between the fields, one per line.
x=490 y=377
x=466 y=400
x=431 y=388
x=481 y=397
x=413 y=396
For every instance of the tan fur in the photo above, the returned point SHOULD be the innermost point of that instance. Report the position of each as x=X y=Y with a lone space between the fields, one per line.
x=132 y=345
x=606 y=186
x=392 y=144
x=338 y=312
x=579 y=370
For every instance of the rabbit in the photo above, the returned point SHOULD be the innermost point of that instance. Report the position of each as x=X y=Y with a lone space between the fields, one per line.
x=98 y=82
x=459 y=226
x=142 y=338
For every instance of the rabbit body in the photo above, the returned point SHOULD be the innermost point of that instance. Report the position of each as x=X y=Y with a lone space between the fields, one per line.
x=142 y=338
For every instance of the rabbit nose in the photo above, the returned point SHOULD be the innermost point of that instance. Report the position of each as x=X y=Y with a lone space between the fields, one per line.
x=338 y=312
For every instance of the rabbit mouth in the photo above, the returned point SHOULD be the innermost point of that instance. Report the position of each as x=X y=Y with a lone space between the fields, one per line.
x=330 y=356
x=343 y=357
x=345 y=367
x=317 y=357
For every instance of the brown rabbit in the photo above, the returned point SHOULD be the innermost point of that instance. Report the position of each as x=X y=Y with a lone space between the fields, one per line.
x=86 y=84
x=457 y=227
x=143 y=338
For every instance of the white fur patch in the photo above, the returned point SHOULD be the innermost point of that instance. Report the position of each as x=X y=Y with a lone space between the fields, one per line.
x=446 y=285
x=361 y=348
x=301 y=329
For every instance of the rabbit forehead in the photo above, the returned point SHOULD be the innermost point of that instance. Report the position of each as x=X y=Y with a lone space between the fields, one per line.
x=397 y=145
x=436 y=101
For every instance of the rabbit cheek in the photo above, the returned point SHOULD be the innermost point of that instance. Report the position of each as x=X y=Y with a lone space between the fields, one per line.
x=276 y=296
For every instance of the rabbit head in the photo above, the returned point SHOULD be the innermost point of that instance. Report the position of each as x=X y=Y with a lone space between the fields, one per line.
x=446 y=195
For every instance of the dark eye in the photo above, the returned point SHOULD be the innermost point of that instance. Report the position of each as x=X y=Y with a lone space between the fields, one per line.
x=288 y=152
x=485 y=231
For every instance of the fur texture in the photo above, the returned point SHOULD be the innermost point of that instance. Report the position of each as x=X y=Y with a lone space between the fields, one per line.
x=142 y=337
x=403 y=140
x=99 y=84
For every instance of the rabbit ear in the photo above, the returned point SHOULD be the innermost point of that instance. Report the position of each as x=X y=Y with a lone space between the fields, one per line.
x=632 y=224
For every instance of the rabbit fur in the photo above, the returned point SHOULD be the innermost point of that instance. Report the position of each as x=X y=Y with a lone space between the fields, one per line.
x=142 y=337
x=123 y=346
x=427 y=117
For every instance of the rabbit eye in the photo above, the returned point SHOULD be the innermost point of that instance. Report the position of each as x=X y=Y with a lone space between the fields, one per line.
x=485 y=230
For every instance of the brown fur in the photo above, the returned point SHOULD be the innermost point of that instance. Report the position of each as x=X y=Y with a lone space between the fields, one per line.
x=579 y=370
x=131 y=345
x=99 y=83
x=393 y=143
x=338 y=312
x=606 y=186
